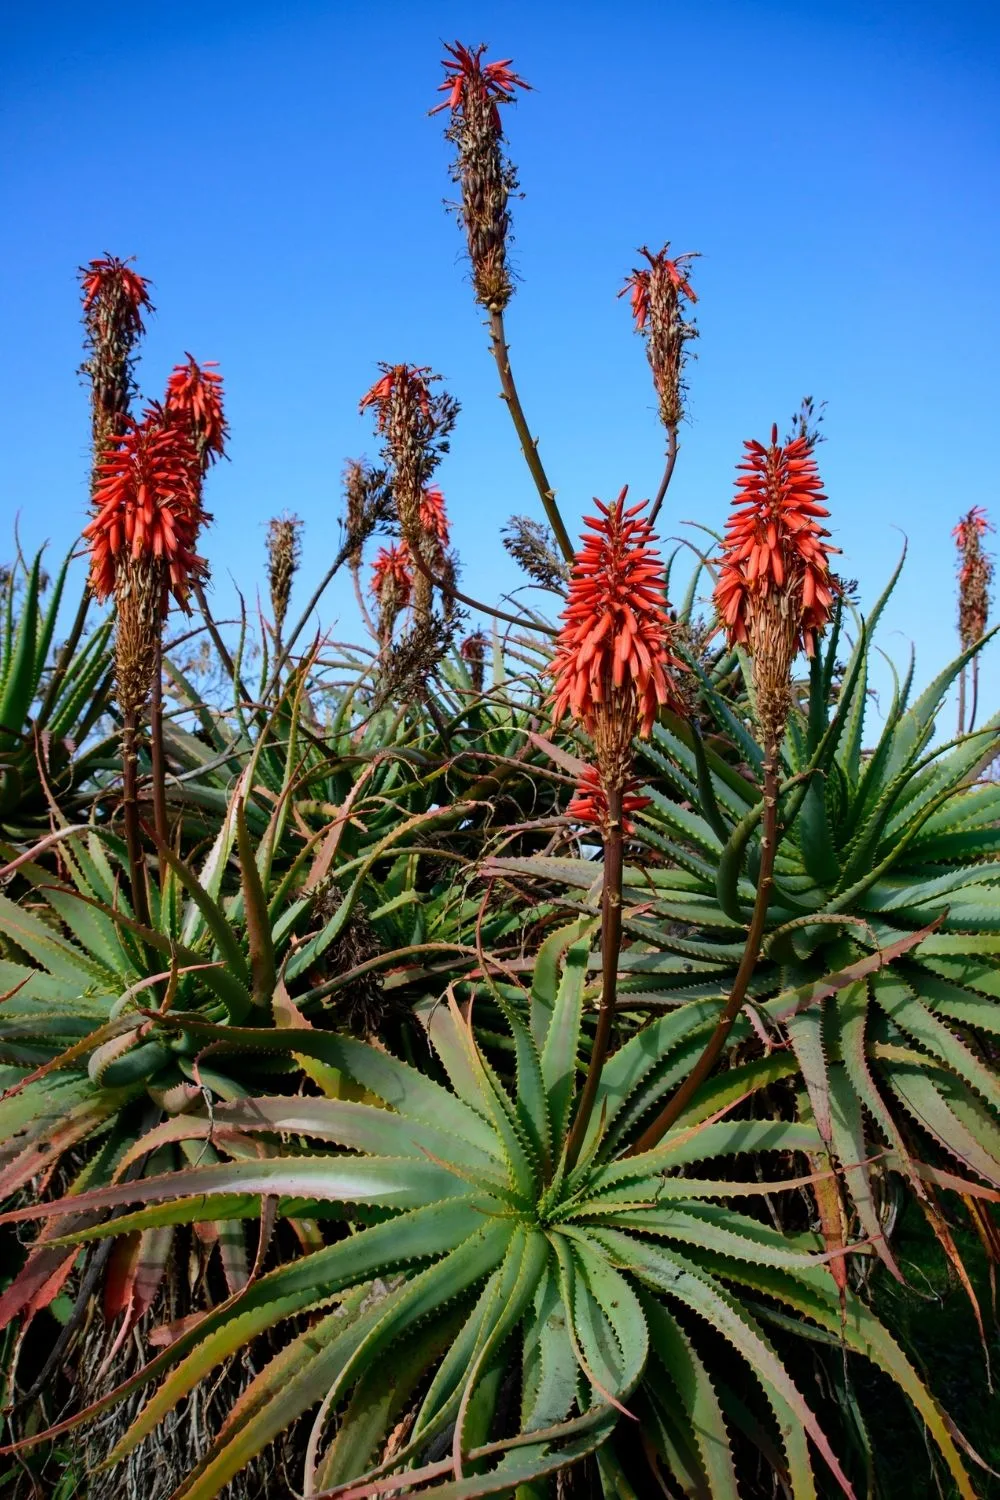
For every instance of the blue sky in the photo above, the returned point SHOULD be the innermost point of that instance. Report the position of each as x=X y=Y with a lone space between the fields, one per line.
x=273 y=169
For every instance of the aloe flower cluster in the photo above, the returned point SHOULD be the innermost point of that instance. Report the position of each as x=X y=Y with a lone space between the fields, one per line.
x=775 y=589
x=114 y=300
x=414 y=422
x=613 y=668
x=658 y=293
x=975 y=574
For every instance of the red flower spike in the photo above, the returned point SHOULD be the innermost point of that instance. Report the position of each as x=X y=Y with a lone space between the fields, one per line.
x=774 y=543
x=393 y=569
x=393 y=378
x=433 y=517
x=590 y=802
x=613 y=643
x=108 y=281
x=147 y=504
x=642 y=282
x=465 y=74
x=194 y=398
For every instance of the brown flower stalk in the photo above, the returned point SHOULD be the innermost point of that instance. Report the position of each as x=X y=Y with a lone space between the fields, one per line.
x=658 y=294
x=114 y=300
x=284 y=552
x=473 y=653
x=975 y=574
x=613 y=671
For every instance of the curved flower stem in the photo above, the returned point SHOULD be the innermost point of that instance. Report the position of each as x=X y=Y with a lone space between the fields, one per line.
x=130 y=813
x=973 y=708
x=611 y=941
x=961 y=701
x=655 y=1132
x=485 y=609
x=529 y=445
x=303 y=621
x=668 y=474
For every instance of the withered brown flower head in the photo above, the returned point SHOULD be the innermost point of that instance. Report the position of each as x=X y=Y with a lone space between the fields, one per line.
x=473 y=653
x=415 y=423
x=486 y=178
x=114 y=300
x=613 y=668
x=658 y=293
x=975 y=574
x=533 y=548
x=368 y=504
x=775 y=589
x=284 y=551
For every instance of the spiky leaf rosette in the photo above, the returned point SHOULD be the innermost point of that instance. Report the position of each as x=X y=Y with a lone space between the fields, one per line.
x=612 y=1290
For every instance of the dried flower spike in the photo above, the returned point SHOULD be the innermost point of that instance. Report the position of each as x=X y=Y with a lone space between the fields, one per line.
x=194 y=398
x=473 y=653
x=975 y=575
x=415 y=424
x=613 y=668
x=486 y=178
x=657 y=294
x=114 y=300
x=284 y=551
x=775 y=590
x=391 y=586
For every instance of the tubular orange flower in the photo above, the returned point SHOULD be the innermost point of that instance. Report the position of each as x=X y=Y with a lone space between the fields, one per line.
x=392 y=568
x=613 y=643
x=590 y=802
x=433 y=517
x=194 y=398
x=468 y=80
x=111 y=289
x=147 y=505
x=774 y=542
x=657 y=294
x=406 y=381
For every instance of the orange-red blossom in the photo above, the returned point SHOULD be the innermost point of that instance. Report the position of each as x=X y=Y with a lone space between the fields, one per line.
x=465 y=73
x=194 y=397
x=108 y=280
x=775 y=545
x=147 y=505
x=613 y=667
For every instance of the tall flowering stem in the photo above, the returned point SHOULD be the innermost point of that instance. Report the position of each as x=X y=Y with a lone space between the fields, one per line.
x=415 y=422
x=658 y=293
x=475 y=93
x=114 y=300
x=612 y=673
x=142 y=538
x=975 y=574
x=774 y=595
x=284 y=552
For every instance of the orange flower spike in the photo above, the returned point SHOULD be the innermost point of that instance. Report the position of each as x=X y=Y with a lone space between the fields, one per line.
x=407 y=379
x=109 y=281
x=146 y=503
x=641 y=283
x=433 y=516
x=194 y=397
x=613 y=642
x=465 y=73
x=392 y=566
x=774 y=542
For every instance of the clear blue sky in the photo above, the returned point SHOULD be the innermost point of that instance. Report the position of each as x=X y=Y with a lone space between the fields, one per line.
x=273 y=169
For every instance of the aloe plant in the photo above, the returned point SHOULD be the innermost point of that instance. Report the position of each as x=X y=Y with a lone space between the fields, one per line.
x=529 y=1314
x=51 y=701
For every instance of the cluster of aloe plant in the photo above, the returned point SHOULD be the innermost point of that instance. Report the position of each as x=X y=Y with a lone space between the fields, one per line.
x=389 y=1117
